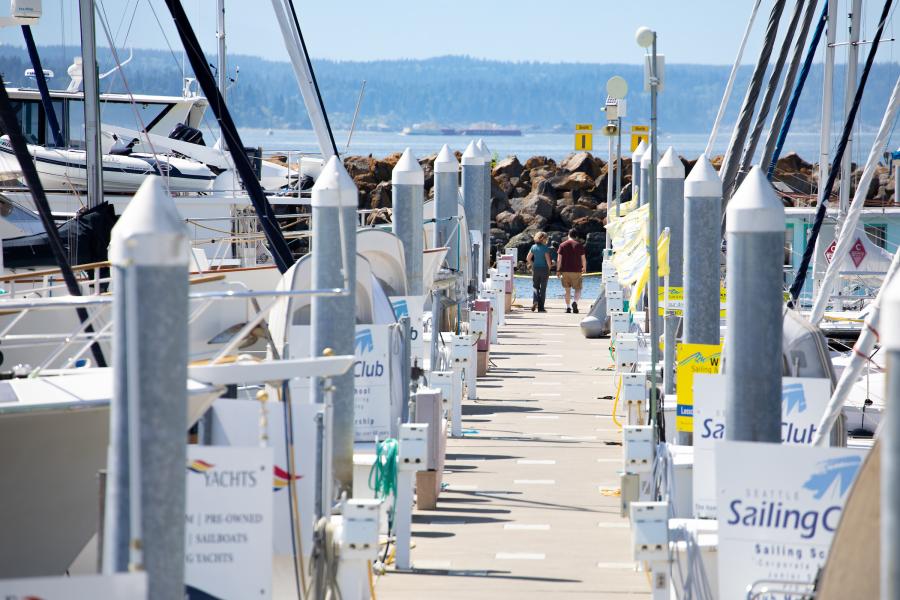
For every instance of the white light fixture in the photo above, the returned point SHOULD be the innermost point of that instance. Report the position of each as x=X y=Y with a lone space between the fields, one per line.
x=644 y=37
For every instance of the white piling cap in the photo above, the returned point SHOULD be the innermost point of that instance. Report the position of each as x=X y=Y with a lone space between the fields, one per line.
x=485 y=151
x=446 y=161
x=755 y=207
x=407 y=171
x=151 y=231
x=890 y=317
x=703 y=181
x=472 y=156
x=670 y=166
x=646 y=158
x=334 y=186
x=638 y=153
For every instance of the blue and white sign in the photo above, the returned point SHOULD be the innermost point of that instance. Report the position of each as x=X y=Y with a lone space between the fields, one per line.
x=412 y=307
x=372 y=384
x=779 y=506
x=372 y=391
x=803 y=401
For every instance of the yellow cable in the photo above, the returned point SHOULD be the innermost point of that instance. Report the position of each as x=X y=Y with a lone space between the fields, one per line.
x=616 y=405
x=371 y=581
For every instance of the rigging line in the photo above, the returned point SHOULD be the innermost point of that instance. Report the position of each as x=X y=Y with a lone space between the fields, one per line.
x=178 y=63
x=798 y=89
x=312 y=74
x=29 y=172
x=800 y=279
x=281 y=252
x=131 y=103
x=766 y=105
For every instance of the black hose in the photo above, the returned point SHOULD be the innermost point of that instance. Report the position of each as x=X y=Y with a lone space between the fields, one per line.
x=800 y=279
x=29 y=172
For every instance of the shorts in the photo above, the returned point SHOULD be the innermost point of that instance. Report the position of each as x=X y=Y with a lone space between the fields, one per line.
x=571 y=280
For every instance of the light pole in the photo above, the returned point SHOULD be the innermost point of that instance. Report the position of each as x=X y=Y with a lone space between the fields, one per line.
x=646 y=37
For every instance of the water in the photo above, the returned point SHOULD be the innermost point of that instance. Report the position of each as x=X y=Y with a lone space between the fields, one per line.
x=555 y=145
x=589 y=291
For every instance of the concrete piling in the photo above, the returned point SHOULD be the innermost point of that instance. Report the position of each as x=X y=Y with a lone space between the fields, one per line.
x=702 y=223
x=334 y=201
x=446 y=201
x=670 y=208
x=145 y=500
x=488 y=159
x=755 y=247
x=408 y=193
x=636 y=181
x=646 y=159
x=473 y=194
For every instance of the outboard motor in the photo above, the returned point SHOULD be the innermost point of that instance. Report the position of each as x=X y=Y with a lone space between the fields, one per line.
x=184 y=133
x=596 y=323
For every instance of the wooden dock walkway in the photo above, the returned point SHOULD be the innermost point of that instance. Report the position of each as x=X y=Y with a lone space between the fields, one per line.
x=525 y=515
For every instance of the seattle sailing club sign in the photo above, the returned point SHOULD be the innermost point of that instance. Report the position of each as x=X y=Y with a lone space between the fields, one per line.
x=778 y=509
x=803 y=401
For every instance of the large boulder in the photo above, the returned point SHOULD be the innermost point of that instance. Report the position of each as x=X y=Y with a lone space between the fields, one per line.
x=534 y=204
x=498 y=205
x=792 y=163
x=589 y=224
x=383 y=168
x=523 y=242
x=568 y=215
x=582 y=162
x=359 y=166
x=499 y=237
x=381 y=196
x=539 y=161
x=578 y=181
x=510 y=222
x=509 y=166
x=544 y=187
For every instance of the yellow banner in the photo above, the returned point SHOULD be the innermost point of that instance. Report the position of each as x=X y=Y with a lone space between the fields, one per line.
x=690 y=360
x=676 y=300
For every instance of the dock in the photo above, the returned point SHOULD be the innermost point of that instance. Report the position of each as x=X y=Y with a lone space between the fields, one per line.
x=531 y=508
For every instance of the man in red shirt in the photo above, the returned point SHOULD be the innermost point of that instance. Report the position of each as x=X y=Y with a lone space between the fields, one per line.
x=571 y=263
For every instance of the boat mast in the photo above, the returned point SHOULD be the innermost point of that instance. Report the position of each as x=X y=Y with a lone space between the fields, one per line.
x=825 y=137
x=849 y=89
x=93 y=150
x=220 y=37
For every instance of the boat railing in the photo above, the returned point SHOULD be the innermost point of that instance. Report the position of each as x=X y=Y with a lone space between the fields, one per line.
x=75 y=344
x=768 y=589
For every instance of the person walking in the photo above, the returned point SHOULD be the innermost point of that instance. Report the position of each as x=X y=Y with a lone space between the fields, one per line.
x=541 y=263
x=570 y=266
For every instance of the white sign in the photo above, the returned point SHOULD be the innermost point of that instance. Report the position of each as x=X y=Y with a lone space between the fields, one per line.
x=228 y=524
x=779 y=506
x=372 y=390
x=236 y=423
x=121 y=586
x=412 y=307
x=803 y=401
x=372 y=384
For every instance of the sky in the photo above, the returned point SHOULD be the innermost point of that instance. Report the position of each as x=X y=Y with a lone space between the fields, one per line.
x=595 y=31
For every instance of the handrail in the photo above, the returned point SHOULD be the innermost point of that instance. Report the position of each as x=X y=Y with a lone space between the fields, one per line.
x=46 y=272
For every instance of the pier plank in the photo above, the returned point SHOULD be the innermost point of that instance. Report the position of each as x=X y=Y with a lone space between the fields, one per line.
x=497 y=533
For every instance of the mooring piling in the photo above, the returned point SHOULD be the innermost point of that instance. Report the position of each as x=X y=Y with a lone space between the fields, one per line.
x=334 y=201
x=755 y=241
x=144 y=522
x=408 y=194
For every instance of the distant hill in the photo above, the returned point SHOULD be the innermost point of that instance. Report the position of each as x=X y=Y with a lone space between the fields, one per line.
x=456 y=90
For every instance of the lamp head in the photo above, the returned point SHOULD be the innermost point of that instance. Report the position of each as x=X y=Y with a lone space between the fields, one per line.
x=644 y=37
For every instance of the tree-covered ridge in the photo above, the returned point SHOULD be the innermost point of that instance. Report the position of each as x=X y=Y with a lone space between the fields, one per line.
x=454 y=90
